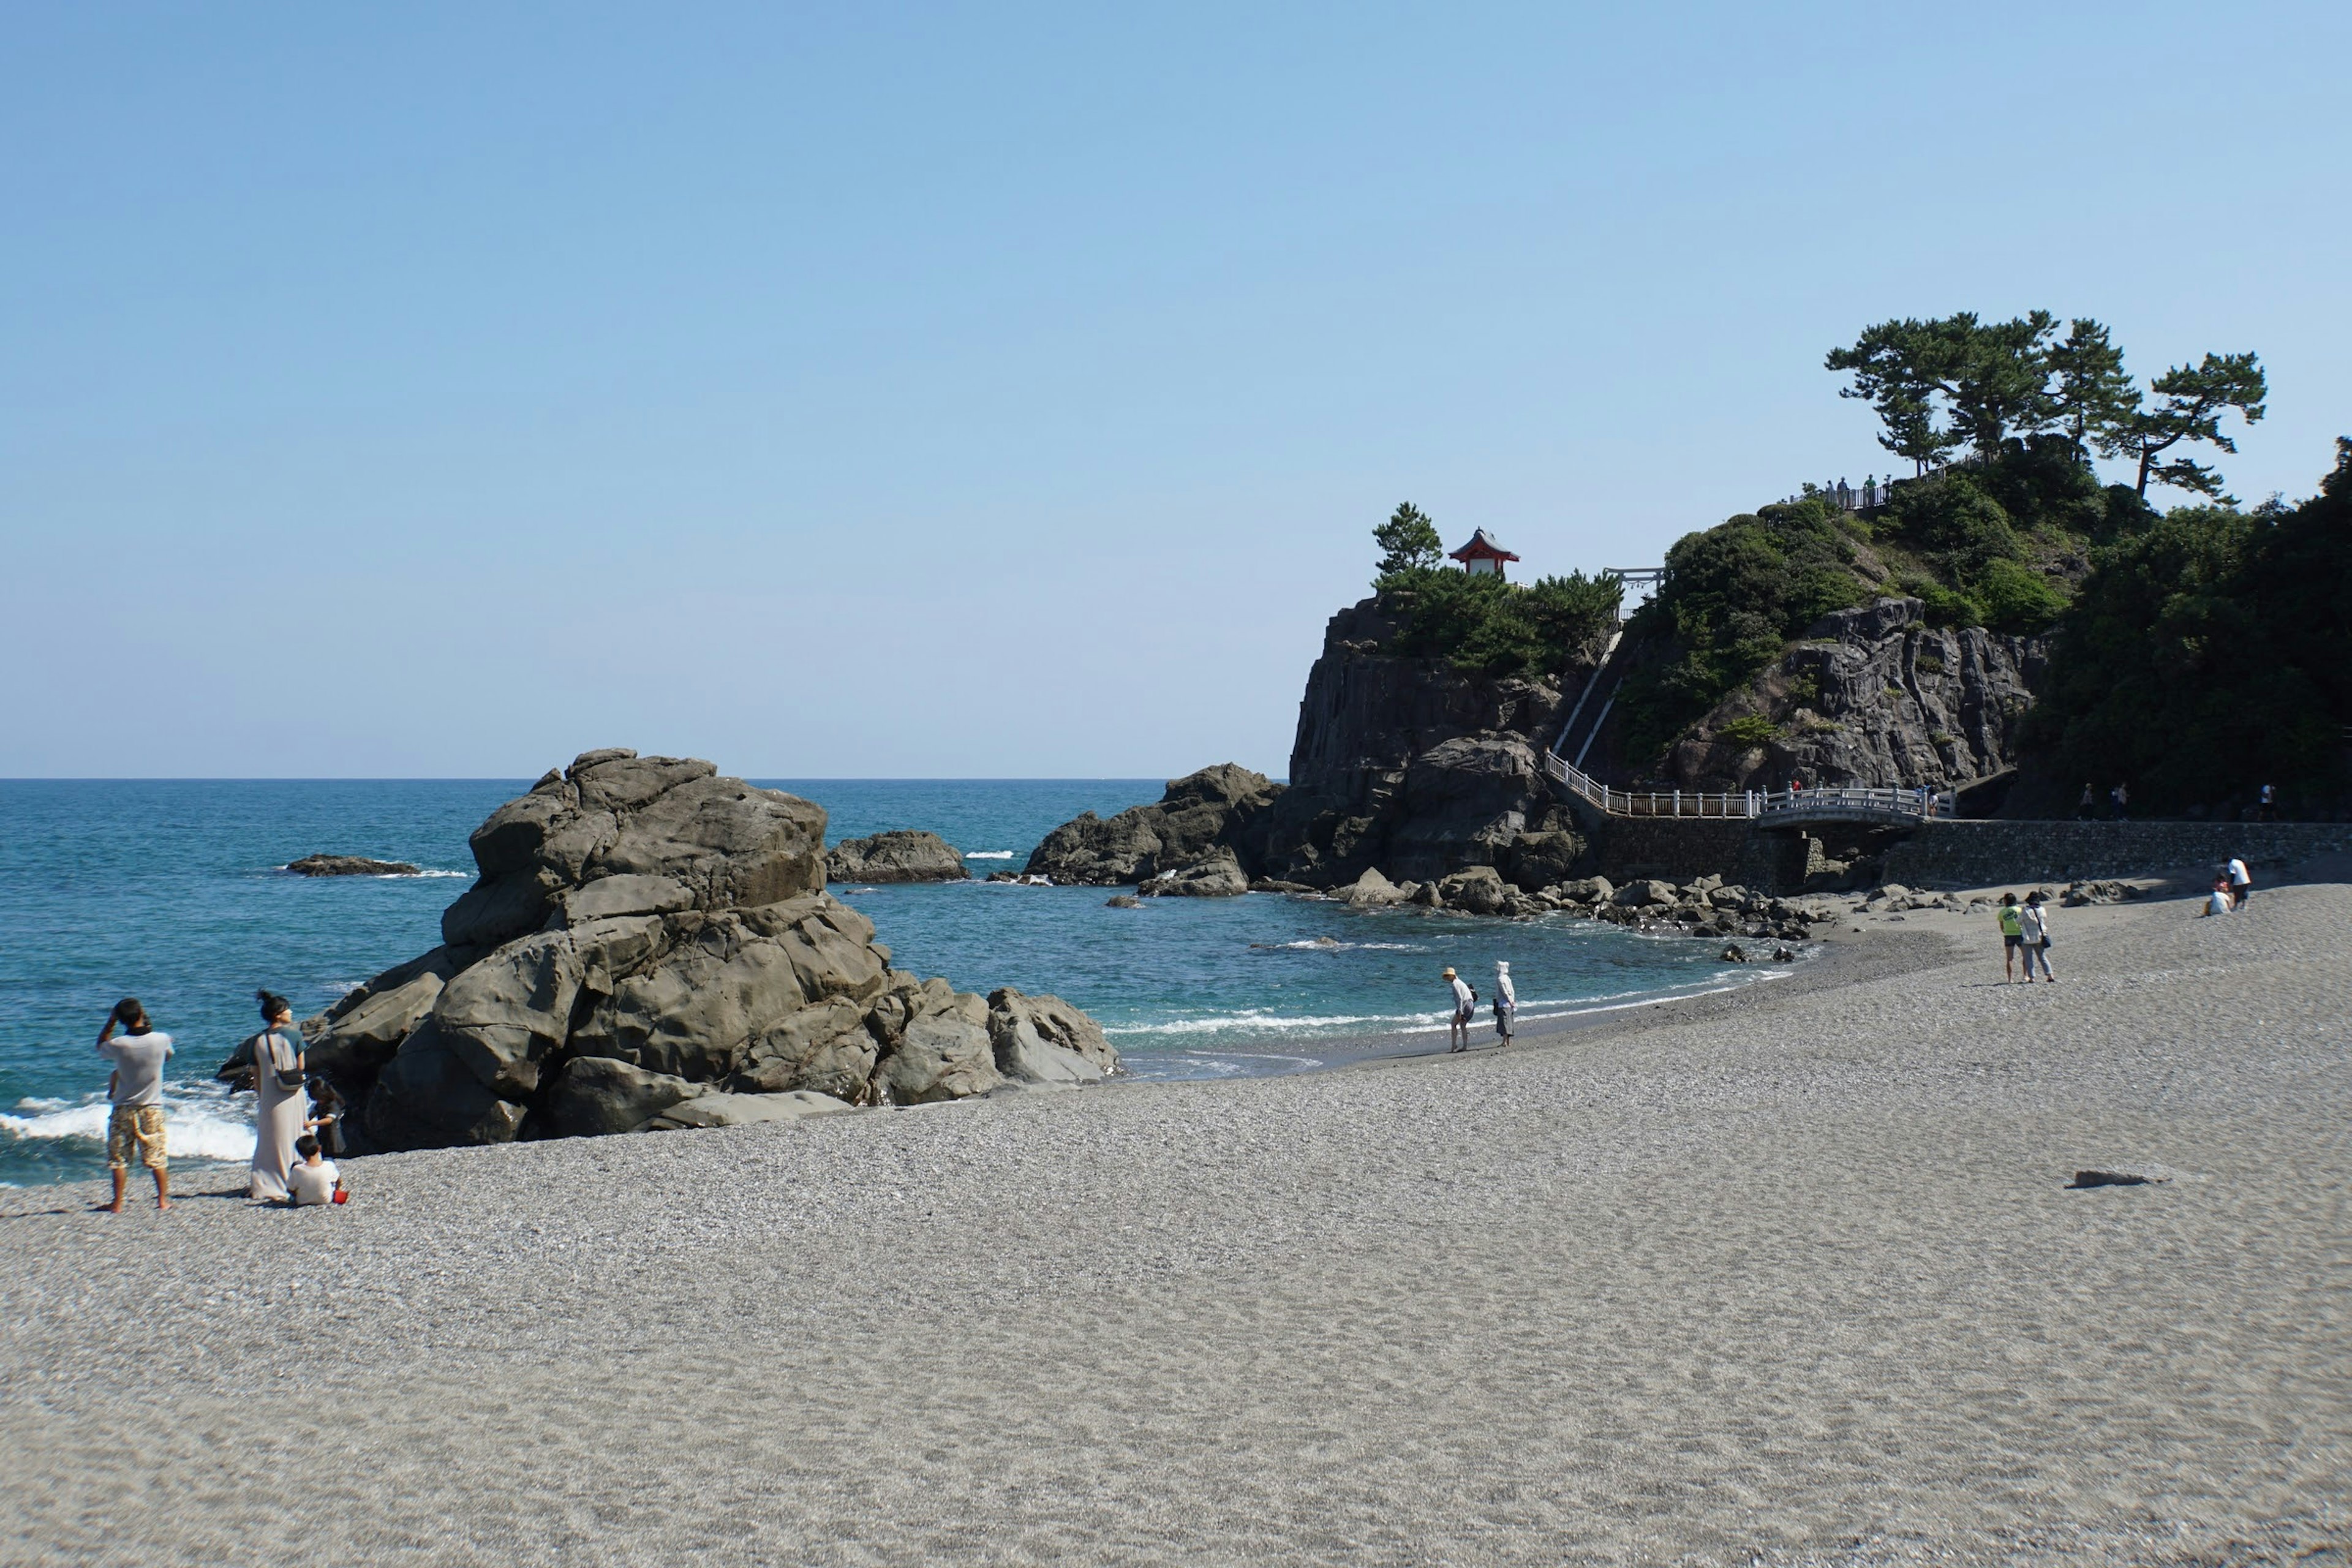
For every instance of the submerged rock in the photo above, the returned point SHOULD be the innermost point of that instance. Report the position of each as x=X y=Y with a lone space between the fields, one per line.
x=900 y=856
x=351 y=866
x=650 y=946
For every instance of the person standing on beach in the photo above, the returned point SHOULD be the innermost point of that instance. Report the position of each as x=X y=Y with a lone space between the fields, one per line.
x=279 y=1084
x=2033 y=924
x=1506 y=1002
x=136 y=1089
x=2012 y=939
x=2241 y=883
x=1466 y=1007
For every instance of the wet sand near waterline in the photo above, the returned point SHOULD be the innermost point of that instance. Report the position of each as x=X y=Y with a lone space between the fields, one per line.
x=1790 y=1274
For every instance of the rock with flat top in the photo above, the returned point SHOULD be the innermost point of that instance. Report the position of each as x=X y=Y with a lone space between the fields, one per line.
x=1216 y=875
x=899 y=855
x=349 y=866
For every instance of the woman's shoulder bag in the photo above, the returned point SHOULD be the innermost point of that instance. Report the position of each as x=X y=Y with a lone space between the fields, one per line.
x=289 y=1077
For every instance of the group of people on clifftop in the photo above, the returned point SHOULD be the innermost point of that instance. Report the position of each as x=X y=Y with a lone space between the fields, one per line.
x=296 y=1125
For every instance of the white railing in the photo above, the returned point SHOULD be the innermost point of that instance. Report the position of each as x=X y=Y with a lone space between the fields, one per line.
x=1807 y=804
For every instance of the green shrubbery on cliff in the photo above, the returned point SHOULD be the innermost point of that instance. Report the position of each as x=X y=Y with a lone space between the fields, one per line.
x=1480 y=623
x=1999 y=541
x=2000 y=545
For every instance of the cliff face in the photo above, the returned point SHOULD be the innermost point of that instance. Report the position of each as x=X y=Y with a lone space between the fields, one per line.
x=1875 y=697
x=1408 y=765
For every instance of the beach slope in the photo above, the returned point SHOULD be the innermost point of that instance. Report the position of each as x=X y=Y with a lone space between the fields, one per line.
x=1799 y=1278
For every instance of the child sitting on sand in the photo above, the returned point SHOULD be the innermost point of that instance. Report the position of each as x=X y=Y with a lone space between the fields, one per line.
x=313 y=1179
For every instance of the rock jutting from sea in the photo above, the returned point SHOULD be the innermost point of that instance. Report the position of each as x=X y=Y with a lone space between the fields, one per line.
x=899 y=855
x=351 y=866
x=649 y=946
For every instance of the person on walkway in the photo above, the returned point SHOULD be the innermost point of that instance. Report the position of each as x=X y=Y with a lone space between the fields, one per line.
x=2012 y=940
x=313 y=1179
x=2120 y=797
x=2242 y=883
x=1466 y=1006
x=136 y=1091
x=2088 y=807
x=2033 y=924
x=1507 y=1002
x=279 y=1084
x=2270 y=802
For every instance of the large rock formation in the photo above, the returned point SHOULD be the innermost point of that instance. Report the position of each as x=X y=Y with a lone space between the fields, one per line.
x=901 y=856
x=645 y=936
x=1872 y=697
x=1403 y=764
x=1409 y=765
x=1195 y=815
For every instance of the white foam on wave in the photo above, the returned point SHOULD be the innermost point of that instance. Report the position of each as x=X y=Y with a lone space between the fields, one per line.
x=988 y=854
x=1275 y=1022
x=1327 y=944
x=198 y=1125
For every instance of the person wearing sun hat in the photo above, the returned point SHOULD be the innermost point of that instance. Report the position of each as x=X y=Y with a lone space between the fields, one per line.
x=1465 y=1004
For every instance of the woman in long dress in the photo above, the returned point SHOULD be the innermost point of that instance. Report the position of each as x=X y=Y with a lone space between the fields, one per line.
x=277 y=1120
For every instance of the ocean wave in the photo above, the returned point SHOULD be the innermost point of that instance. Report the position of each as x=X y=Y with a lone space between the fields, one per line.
x=196 y=1126
x=988 y=854
x=1333 y=944
x=1274 y=1021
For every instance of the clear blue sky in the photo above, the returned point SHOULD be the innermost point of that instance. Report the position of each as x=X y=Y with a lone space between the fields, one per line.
x=440 y=390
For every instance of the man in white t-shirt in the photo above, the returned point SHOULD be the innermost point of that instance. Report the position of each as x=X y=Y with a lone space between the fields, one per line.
x=2242 y=883
x=314 y=1177
x=1466 y=1007
x=136 y=1123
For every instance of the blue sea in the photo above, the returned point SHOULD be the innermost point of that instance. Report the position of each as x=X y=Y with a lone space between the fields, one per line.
x=173 y=891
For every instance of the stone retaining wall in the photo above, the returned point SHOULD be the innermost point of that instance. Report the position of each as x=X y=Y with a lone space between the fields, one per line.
x=1979 y=854
x=1958 y=854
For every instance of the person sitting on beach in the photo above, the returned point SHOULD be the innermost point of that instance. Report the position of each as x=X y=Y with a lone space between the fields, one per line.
x=1465 y=1004
x=2218 y=901
x=2012 y=940
x=313 y=1178
x=2242 y=883
x=2033 y=924
x=136 y=1089
x=1506 y=1002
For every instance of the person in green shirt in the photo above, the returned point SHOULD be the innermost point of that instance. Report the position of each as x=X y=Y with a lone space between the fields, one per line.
x=2012 y=941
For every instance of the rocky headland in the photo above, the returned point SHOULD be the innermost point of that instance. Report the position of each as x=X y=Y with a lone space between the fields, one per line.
x=1402 y=765
x=649 y=945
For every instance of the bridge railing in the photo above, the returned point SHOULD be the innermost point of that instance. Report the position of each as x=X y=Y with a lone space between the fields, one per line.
x=1808 y=805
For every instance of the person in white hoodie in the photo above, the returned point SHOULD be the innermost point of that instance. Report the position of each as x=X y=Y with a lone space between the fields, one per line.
x=1506 y=1002
x=2034 y=922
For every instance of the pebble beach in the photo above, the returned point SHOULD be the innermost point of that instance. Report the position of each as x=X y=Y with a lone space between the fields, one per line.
x=1793 y=1274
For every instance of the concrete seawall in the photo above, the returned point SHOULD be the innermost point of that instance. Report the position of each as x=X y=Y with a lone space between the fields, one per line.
x=1978 y=854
